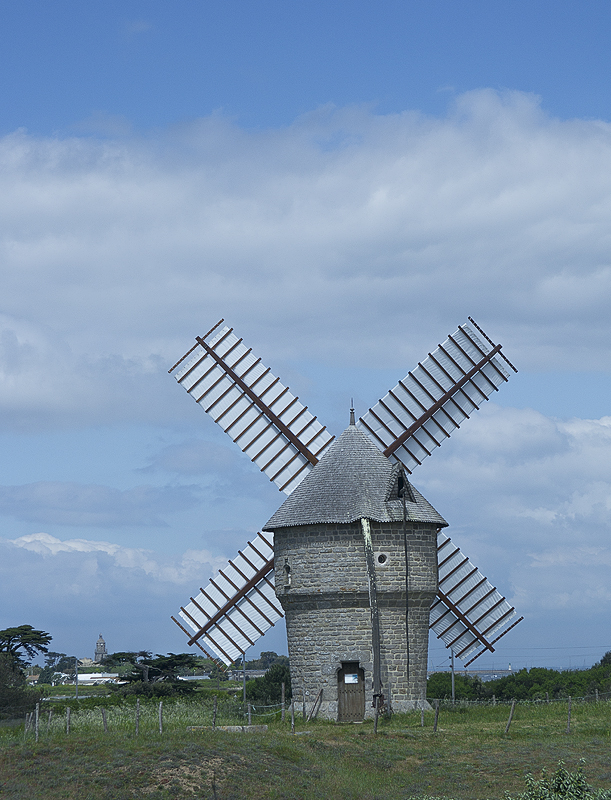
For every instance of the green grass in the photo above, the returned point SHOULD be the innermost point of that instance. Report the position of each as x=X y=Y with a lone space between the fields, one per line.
x=469 y=758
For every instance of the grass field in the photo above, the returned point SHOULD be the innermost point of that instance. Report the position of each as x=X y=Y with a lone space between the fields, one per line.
x=469 y=757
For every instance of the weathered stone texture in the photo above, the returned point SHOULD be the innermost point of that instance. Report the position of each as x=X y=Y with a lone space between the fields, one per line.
x=325 y=595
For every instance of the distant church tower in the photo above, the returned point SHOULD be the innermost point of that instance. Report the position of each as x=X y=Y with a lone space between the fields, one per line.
x=100 y=650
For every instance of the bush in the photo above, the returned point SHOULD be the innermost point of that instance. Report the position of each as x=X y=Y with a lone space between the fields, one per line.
x=268 y=689
x=15 y=697
x=562 y=785
x=158 y=689
x=439 y=687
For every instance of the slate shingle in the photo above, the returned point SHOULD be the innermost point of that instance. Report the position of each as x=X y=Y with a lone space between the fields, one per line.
x=351 y=481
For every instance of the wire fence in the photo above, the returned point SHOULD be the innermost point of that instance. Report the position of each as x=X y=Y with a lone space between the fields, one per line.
x=542 y=699
x=140 y=717
x=148 y=717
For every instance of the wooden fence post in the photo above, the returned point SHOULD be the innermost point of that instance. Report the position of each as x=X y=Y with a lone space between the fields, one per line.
x=104 y=720
x=37 y=719
x=282 y=704
x=513 y=705
x=249 y=714
x=314 y=704
x=137 y=716
x=436 y=716
x=568 y=722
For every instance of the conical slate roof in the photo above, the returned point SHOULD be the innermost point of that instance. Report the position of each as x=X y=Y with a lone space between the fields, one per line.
x=353 y=480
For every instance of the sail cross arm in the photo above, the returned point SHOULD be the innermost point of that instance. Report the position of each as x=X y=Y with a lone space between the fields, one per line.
x=440 y=403
x=253 y=407
x=424 y=409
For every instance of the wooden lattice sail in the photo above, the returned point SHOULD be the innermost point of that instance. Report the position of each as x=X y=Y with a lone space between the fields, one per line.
x=250 y=404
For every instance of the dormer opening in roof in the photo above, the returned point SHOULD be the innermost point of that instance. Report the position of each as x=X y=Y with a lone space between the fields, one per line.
x=400 y=487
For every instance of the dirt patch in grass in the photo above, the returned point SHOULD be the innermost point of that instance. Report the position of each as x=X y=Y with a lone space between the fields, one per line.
x=188 y=779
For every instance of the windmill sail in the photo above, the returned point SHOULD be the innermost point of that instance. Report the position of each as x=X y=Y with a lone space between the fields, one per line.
x=468 y=611
x=426 y=406
x=250 y=404
x=285 y=440
x=238 y=606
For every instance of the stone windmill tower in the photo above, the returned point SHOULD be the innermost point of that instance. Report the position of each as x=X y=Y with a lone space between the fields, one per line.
x=341 y=545
x=355 y=557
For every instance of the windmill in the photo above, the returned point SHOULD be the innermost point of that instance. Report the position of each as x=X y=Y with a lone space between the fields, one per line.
x=355 y=558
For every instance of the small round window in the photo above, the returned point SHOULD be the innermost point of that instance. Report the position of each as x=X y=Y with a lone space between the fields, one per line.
x=382 y=559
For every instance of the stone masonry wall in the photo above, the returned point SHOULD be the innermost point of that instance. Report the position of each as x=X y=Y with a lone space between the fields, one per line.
x=325 y=595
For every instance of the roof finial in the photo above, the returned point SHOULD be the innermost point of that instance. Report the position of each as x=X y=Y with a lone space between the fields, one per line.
x=352 y=420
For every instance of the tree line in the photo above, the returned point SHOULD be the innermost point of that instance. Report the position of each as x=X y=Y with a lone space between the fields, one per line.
x=141 y=672
x=537 y=683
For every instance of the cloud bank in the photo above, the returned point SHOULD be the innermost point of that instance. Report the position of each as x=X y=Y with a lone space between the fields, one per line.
x=529 y=497
x=349 y=237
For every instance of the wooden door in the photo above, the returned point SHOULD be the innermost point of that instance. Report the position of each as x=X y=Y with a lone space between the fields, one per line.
x=350 y=693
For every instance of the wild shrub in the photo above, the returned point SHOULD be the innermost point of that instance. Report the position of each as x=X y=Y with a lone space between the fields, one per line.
x=562 y=785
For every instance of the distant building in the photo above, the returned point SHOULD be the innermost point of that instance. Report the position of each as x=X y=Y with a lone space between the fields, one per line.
x=100 y=650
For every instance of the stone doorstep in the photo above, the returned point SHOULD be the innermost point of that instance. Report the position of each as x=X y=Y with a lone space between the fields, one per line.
x=230 y=728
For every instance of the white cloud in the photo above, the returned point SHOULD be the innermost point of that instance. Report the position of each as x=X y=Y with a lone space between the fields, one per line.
x=346 y=236
x=75 y=588
x=528 y=499
x=191 y=566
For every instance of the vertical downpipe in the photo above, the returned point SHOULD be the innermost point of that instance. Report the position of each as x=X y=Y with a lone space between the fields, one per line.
x=373 y=604
x=406 y=550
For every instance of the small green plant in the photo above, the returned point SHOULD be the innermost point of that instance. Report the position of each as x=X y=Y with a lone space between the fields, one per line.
x=562 y=785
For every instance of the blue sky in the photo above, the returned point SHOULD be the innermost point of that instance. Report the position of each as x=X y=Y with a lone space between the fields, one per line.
x=344 y=183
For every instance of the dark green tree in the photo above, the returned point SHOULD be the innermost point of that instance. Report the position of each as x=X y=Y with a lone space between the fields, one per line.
x=46 y=675
x=15 y=697
x=605 y=661
x=135 y=664
x=466 y=687
x=156 y=676
x=60 y=662
x=22 y=641
x=267 y=690
x=266 y=660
